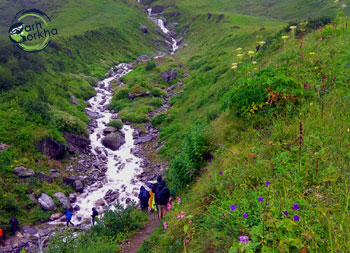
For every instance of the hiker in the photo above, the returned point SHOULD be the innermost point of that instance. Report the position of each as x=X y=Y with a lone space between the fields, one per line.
x=3 y=235
x=151 y=203
x=154 y=189
x=163 y=198
x=94 y=214
x=69 y=217
x=144 y=197
x=14 y=225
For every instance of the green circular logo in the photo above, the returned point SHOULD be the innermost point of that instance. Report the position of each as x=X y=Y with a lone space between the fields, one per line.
x=31 y=30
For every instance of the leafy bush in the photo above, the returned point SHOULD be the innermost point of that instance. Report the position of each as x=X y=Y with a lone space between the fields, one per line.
x=116 y=123
x=158 y=119
x=150 y=65
x=133 y=117
x=68 y=123
x=156 y=92
x=186 y=166
x=156 y=102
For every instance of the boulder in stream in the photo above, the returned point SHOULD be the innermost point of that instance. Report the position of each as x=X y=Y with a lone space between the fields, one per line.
x=46 y=202
x=63 y=200
x=113 y=141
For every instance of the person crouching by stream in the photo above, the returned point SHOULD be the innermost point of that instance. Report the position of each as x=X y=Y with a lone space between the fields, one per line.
x=94 y=214
x=69 y=217
x=144 y=198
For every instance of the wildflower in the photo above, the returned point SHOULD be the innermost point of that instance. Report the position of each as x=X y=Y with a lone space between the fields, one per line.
x=254 y=62
x=295 y=207
x=260 y=199
x=234 y=64
x=343 y=6
x=165 y=226
x=312 y=53
x=324 y=78
x=177 y=216
x=301 y=57
x=245 y=215
x=293 y=27
x=187 y=240
x=250 y=52
x=222 y=145
x=234 y=152
x=181 y=216
x=220 y=172
x=178 y=199
x=348 y=129
x=285 y=213
x=240 y=56
x=172 y=203
x=311 y=104
x=168 y=207
x=234 y=67
x=323 y=89
x=315 y=67
x=296 y=218
x=239 y=49
x=268 y=183
x=267 y=204
x=306 y=86
x=170 y=199
x=244 y=239
x=232 y=207
x=261 y=43
x=285 y=37
x=321 y=38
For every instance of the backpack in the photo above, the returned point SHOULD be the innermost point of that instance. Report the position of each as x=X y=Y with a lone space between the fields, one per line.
x=1 y=233
x=164 y=195
x=144 y=195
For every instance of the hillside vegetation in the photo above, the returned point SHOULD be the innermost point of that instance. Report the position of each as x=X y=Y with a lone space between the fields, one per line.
x=264 y=137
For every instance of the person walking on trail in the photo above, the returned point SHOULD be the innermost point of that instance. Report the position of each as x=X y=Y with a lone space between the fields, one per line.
x=94 y=214
x=144 y=197
x=163 y=198
x=14 y=225
x=154 y=189
x=3 y=236
x=69 y=217
x=151 y=201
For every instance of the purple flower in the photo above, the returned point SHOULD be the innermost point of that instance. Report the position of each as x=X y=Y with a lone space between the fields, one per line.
x=306 y=86
x=220 y=172
x=245 y=215
x=285 y=213
x=295 y=207
x=296 y=218
x=301 y=57
x=324 y=78
x=232 y=207
x=268 y=183
x=267 y=204
x=323 y=89
x=222 y=145
x=244 y=239
x=260 y=199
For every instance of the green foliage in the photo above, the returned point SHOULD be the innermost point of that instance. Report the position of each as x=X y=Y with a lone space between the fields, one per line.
x=116 y=123
x=66 y=122
x=133 y=117
x=156 y=102
x=158 y=92
x=158 y=119
x=150 y=65
x=186 y=166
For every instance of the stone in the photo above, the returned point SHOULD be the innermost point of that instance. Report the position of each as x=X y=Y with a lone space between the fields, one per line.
x=51 y=148
x=72 y=197
x=109 y=130
x=55 y=216
x=113 y=141
x=143 y=29
x=74 y=101
x=46 y=202
x=44 y=177
x=143 y=58
x=3 y=147
x=32 y=197
x=169 y=75
x=63 y=200
x=100 y=202
x=29 y=230
x=75 y=182
x=23 y=172
x=77 y=144
x=141 y=140
x=158 y=9
x=78 y=186
x=93 y=115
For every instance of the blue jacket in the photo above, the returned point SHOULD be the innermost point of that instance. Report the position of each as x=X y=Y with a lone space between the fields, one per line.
x=69 y=214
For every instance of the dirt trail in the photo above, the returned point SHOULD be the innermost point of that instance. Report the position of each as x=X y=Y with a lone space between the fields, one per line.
x=133 y=244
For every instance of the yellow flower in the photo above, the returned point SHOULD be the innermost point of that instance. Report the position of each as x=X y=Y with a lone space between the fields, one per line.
x=293 y=27
x=240 y=55
x=254 y=62
x=316 y=67
x=250 y=52
x=312 y=53
x=285 y=37
x=234 y=67
x=261 y=43
x=311 y=104
x=348 y=129
x=239 y=49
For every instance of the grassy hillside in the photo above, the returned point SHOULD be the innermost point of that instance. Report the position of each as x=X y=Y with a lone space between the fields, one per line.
x=267 y=139
x=36 y=87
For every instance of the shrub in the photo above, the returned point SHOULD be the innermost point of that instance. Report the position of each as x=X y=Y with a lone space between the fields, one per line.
x=68 y=123
x=133 y=117
x=150 y=65
x=158 y=119
x=116 y=123
x=156 y=102
x=156 y=92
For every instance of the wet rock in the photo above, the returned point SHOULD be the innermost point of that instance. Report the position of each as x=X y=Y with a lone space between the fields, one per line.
x=55 y=216
x=111 y=196
x=78 y=186
x=23 y=172
x=56 y=175
x=75 y=182
x=72 y=197
x=143 y=58
x=158 y=9
x=44 y=177
x=27 y=230
x=74 y=101
x=109 y=130
x=113 y=141
x=141 y=140
x=100 y=202
x=76 y=208
x=63 y=200
x=77 y=144
x=3 y=147
x=51 y=148
x=136 y=95
x=169 y=75
x=46 y=202
x=127 y=201
x=143 y=29
x=93 y=115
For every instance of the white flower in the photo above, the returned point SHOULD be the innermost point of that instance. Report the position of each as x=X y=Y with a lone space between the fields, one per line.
x=343 y=6
x=261 y=43
x=254 y=62
x=285 y=37
x=240 y=55
x=250 y=52
x=234 y=67
x=239 y=49
x=293 y=27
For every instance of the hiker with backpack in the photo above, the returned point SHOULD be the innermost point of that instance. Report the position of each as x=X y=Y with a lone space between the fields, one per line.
x=144 y=197
x=94 y=214
x=162 y=198
x=154 y=189
x=3 y=235
x=69 y=217
x=14 y=224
